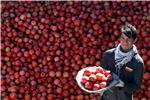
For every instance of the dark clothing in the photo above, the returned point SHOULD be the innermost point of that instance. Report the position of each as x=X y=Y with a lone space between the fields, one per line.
x=132 y=79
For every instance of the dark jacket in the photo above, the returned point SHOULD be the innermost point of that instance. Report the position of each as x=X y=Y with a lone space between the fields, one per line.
x=132 y=79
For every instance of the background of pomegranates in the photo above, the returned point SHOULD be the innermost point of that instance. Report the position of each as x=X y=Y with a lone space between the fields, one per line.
x=45 y=44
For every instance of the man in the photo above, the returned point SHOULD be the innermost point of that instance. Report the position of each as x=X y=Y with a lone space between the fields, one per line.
x=125 y=61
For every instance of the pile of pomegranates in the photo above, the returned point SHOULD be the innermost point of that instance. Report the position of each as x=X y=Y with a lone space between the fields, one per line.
x=44 y=44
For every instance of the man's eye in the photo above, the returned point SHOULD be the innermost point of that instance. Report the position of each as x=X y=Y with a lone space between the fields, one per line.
x=127 y=40
x=122 y=38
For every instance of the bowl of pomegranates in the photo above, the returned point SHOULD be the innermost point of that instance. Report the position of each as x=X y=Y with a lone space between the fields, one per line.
x=96 y=79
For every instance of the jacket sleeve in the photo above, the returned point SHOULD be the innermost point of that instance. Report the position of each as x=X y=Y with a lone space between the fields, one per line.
x=138 y=77
x=104 y=61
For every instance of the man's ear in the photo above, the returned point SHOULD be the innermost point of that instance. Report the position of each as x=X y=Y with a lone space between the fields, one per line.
x=135 y=40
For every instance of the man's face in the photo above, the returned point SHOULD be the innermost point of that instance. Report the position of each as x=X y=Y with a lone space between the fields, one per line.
x=126 y=43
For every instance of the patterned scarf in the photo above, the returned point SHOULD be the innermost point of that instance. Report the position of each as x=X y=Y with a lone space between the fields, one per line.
x=122 y=58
